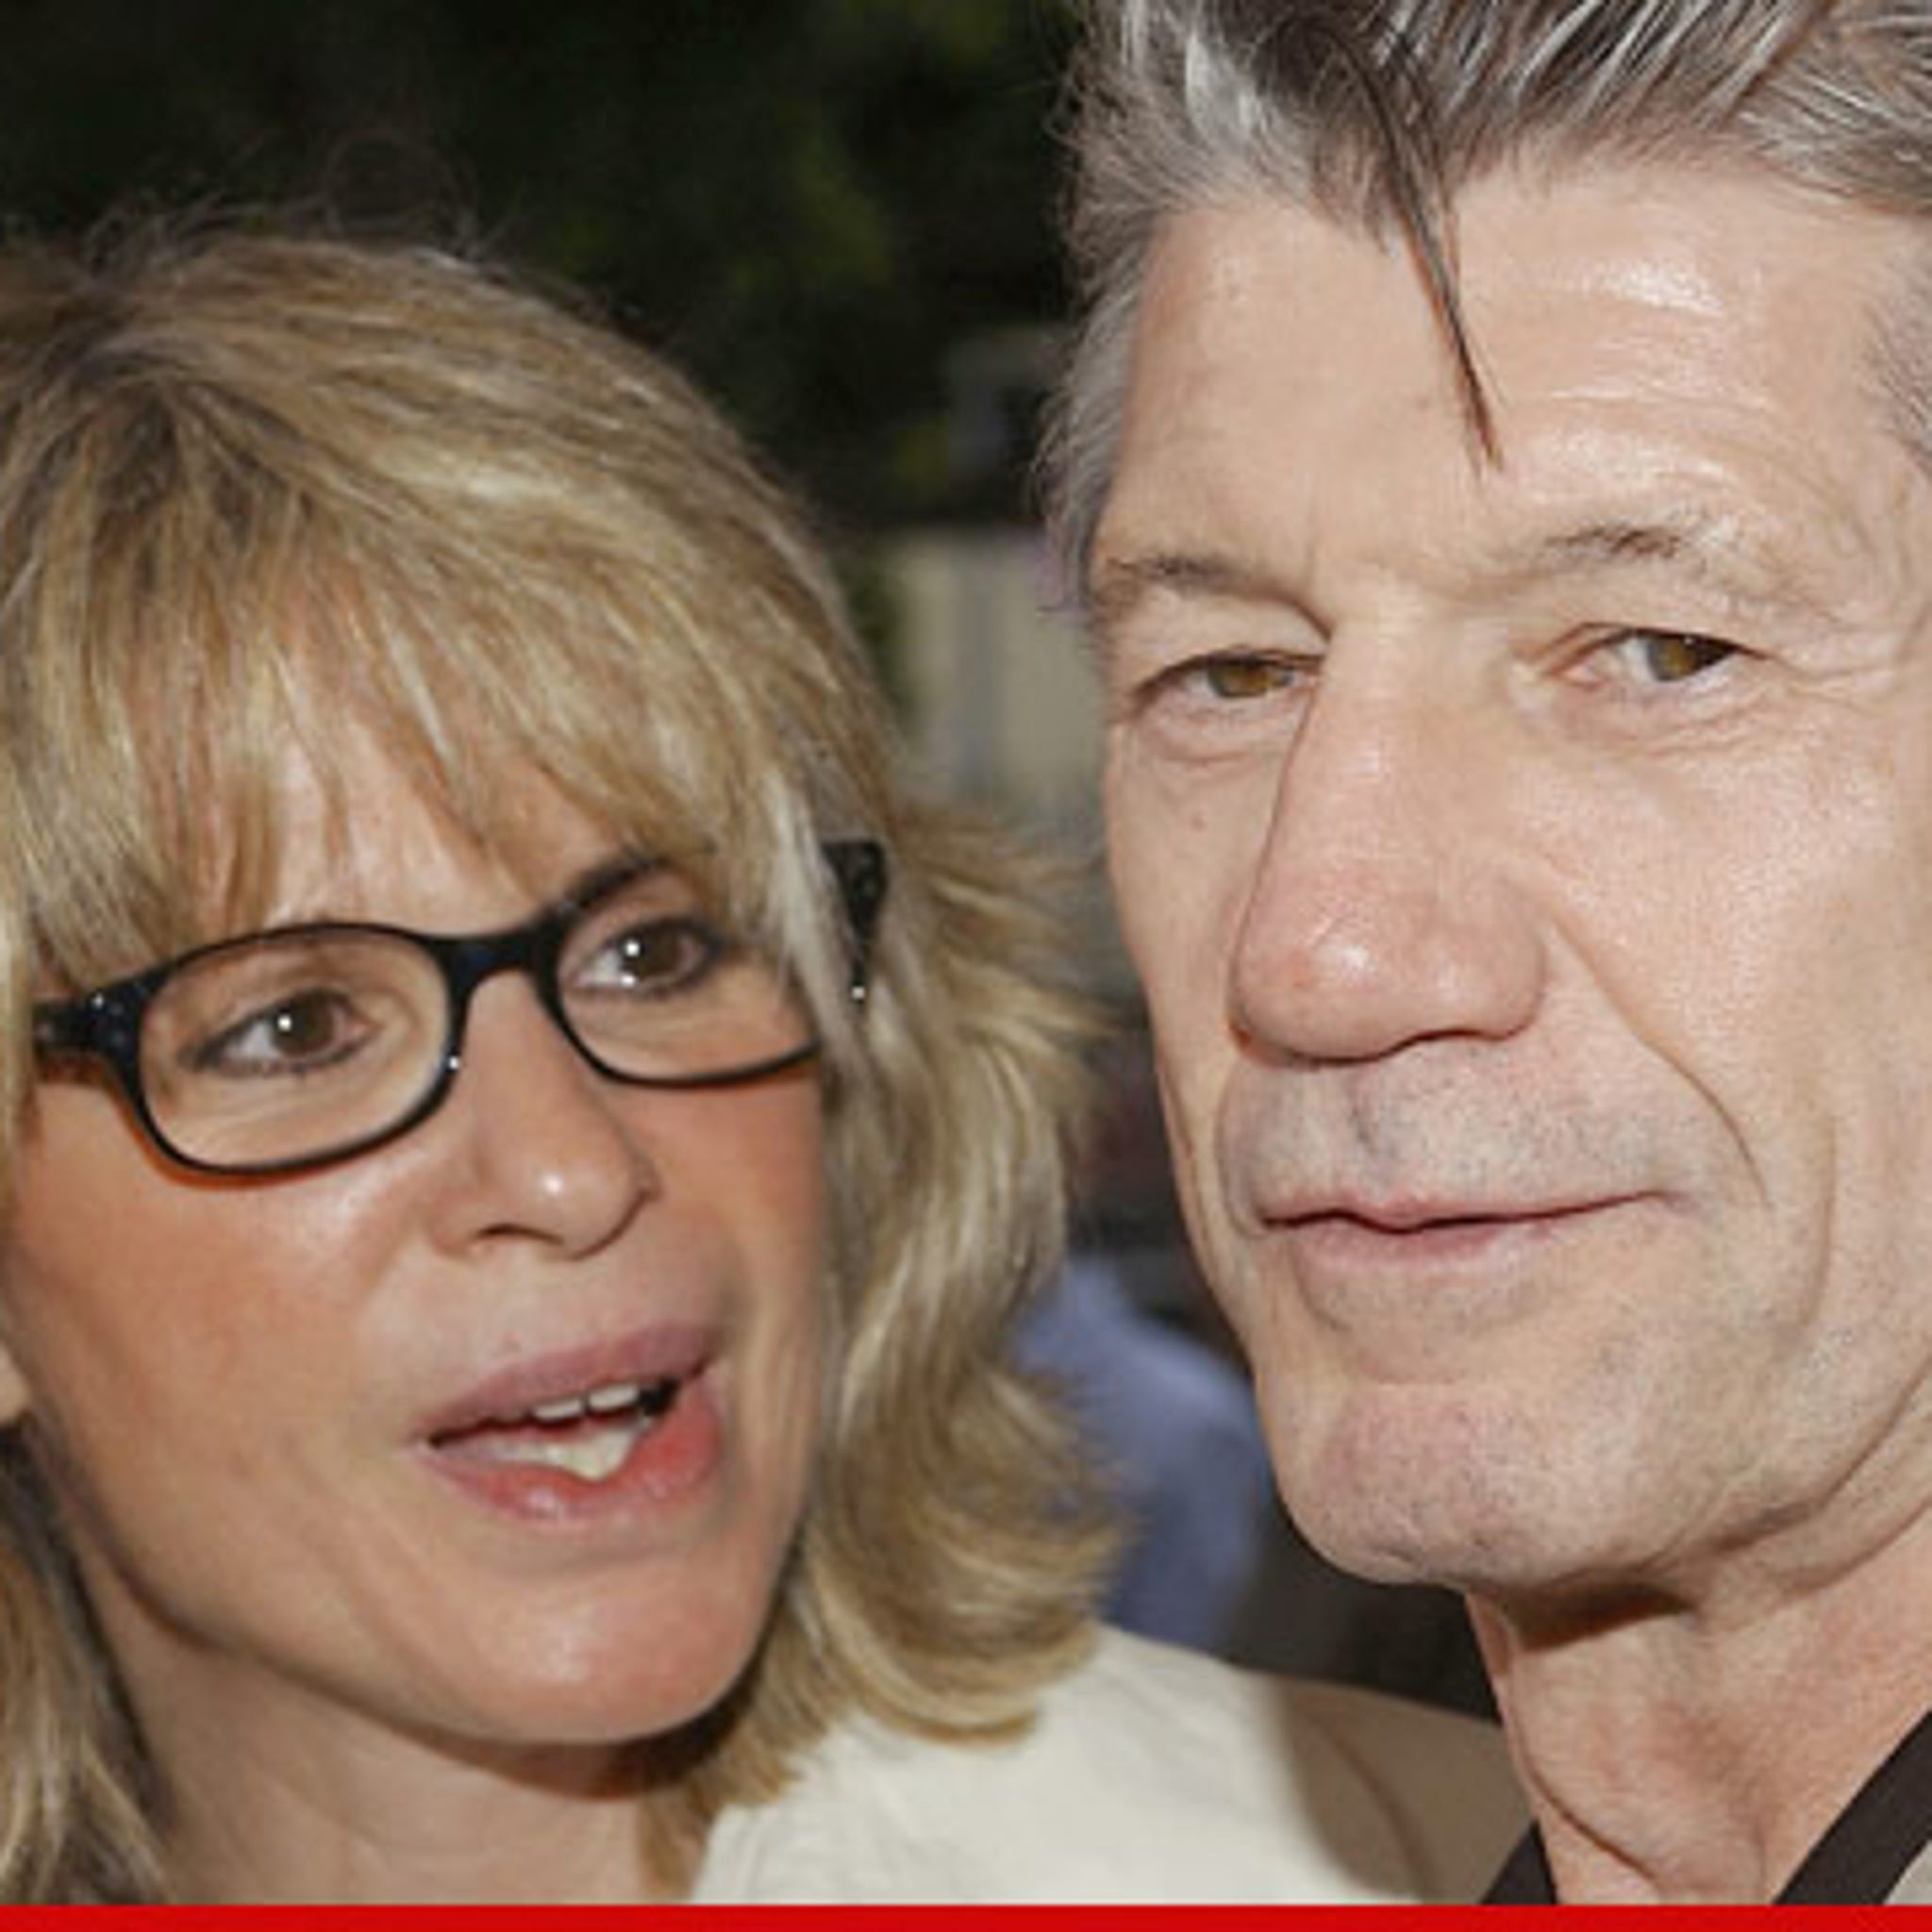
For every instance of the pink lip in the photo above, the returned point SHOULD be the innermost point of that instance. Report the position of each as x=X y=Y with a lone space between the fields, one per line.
x=679 y=1353
x=1410 y=1216
x=1409 y=1240
x=671 y=1466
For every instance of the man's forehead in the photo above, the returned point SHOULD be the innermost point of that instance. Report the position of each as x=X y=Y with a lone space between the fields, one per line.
x=1605 y=257
x=1689 y=346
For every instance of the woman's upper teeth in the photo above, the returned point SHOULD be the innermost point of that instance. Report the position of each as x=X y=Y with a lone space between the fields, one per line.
x=650 y=1399
x=605 y=1401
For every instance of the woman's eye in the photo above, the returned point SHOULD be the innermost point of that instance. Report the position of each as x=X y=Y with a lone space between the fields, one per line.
x=662 y=956
x=1667 y=657
x=298 y=1034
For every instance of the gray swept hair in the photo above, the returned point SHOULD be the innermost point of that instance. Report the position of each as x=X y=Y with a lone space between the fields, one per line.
x=1378 y=111
x=259 y=487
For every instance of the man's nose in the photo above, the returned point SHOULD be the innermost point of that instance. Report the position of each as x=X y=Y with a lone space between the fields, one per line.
x=1378 y=915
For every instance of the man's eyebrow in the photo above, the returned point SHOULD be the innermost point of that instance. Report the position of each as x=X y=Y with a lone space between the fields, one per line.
x=1719 y=549
x=1687 y=538
x=1727 y=553
x=1122 y=582
x=1730 y=554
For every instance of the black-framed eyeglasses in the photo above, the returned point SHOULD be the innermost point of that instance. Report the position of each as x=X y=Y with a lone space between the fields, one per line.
x=305 y=1044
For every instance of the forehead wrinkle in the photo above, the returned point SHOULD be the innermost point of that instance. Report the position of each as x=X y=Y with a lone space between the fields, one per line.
x=1899 y=358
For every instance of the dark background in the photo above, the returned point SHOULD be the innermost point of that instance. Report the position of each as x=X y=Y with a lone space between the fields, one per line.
x=811 y=204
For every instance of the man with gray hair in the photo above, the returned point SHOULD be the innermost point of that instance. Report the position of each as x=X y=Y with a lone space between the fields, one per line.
x=1498 y=464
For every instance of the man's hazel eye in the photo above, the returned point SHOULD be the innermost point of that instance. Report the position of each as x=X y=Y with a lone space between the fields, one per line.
x=1238 y=679
x=1670 y=657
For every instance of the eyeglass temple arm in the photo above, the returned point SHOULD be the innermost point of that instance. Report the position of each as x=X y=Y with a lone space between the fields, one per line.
x=68 y=1026
x=859 y=867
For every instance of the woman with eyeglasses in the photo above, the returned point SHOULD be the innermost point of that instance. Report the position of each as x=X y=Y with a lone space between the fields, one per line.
x=521 y=1146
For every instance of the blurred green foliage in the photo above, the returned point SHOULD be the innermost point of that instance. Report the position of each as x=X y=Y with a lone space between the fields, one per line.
x=810 y=203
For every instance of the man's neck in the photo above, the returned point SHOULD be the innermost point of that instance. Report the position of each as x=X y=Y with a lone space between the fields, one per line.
x=1696 y=1751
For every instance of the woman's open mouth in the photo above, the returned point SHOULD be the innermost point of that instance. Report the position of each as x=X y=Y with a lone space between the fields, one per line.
x=589 y=1436
x=589 y=1431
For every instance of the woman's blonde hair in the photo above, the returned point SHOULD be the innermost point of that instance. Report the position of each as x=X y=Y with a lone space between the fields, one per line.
x=259 y=486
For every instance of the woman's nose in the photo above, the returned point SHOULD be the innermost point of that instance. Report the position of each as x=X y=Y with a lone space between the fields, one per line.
x=540 y=1146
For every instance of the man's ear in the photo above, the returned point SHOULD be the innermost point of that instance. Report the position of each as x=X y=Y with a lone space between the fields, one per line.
x=15 y=1397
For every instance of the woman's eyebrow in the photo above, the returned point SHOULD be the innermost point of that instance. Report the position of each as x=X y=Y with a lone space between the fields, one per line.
x=597 y=879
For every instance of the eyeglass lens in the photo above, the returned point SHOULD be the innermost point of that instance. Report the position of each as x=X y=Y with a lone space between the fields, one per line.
x=285 y=1047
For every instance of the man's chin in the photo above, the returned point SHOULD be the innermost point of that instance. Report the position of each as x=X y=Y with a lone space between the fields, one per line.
x=1411 y=1486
